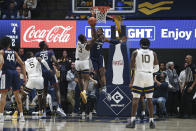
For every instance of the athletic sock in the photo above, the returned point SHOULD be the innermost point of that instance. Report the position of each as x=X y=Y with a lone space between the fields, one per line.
x=132 y=118
x=151 y=119
x=21 y=114
x=143 y=113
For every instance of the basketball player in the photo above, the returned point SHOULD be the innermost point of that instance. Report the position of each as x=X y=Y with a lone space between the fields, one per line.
x=97 y=58
x=10 y=77
x=82 y=62
x=49 y=57
x=35 y=79
x=144 y=63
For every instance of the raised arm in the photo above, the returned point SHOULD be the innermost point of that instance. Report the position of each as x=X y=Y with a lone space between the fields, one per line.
x=22 y=66
x=90 y=43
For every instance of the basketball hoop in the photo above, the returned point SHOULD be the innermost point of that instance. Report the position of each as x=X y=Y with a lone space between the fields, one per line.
x=101 y=13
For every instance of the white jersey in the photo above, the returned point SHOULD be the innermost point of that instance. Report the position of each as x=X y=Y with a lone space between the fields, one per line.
x=144 y=60
x=81 y=52
x=33 y=67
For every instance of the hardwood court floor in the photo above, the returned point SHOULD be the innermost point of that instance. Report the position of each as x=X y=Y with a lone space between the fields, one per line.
x=97 y=124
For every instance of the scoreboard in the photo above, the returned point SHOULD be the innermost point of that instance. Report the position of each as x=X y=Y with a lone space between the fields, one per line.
x=11 y=28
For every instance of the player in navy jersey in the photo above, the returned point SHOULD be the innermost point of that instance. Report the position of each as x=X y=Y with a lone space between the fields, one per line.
x=9 y=76
x=49 y=57
x=97 y=57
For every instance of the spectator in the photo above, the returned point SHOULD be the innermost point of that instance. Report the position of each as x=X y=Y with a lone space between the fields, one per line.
x=21 y=54
x=11 y=11
x=182 y=78
x=91 y=100
x=64 y=64
x=160 y=94
x=189 y=87
x=24 y=13
x=173 y=96
x=162 y=67
x=31 y=4
x=71 y=86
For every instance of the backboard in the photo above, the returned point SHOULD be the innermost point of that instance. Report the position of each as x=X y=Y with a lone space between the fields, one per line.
x=117 y=6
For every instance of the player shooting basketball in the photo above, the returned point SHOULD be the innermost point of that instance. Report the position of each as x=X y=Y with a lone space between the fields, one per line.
x=96 y=53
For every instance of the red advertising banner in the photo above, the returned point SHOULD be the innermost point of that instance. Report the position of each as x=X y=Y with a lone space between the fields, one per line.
x=57 y=34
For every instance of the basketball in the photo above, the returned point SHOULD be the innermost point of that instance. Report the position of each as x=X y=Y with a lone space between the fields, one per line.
x=92 y=21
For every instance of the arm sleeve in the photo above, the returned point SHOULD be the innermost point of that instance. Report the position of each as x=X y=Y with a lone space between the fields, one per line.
x=156 y=68
x=45 y=64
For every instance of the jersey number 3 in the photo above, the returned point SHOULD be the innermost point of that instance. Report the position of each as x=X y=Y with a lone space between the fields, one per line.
x=145 y=59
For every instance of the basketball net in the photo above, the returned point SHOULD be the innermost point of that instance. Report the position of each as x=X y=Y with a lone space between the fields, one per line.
x=101 y=13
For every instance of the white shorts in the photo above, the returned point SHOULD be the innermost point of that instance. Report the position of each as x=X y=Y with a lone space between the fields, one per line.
x=143 y=79
x=35 y=82
x=143 y=85
x=82 y=65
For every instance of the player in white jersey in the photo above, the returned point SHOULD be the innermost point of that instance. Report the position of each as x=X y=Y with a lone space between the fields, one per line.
x=144 y=63
x=35 y=79
x=82 y=63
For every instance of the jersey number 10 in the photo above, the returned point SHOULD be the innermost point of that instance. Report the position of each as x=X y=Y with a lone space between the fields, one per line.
x=145 y=59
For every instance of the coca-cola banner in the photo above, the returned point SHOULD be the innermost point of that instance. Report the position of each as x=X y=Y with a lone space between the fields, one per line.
x=58 y=34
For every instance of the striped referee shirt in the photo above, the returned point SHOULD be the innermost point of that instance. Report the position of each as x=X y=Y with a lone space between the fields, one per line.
x=190 y=71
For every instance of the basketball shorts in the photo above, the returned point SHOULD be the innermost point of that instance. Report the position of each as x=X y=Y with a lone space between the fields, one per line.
x=35 y=82
x=82 y=65
x=49 y=78
x=10 y=79
x=98 y=62
x=143 y=84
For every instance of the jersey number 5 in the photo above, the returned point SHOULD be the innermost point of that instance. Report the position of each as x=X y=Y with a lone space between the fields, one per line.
x=145 y=59
x=32 y=64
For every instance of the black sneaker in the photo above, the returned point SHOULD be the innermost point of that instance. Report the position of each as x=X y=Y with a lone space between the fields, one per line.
x=152 y=125
x=131 y=124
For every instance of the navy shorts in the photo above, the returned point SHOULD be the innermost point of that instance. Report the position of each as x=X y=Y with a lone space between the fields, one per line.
x=49 y=78
x=98 y=62
x=10 y=79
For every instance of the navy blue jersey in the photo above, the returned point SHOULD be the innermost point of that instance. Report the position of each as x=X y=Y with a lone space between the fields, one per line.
x=96 y=49
x=9 y=60
x=47 y=56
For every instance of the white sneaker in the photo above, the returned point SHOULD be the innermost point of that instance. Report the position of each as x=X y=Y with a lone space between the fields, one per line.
x=83 y=115
x=90 y=116
x=22 y=119
x=107 y=95
x=61 y=112
x=43 y=115
x=1 y=119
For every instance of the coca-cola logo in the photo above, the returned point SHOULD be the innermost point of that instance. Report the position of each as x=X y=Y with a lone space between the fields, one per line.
x=118 y=63
x=55 y=34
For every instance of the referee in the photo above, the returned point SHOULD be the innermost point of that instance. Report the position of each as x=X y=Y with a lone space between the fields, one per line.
x=189 y=87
